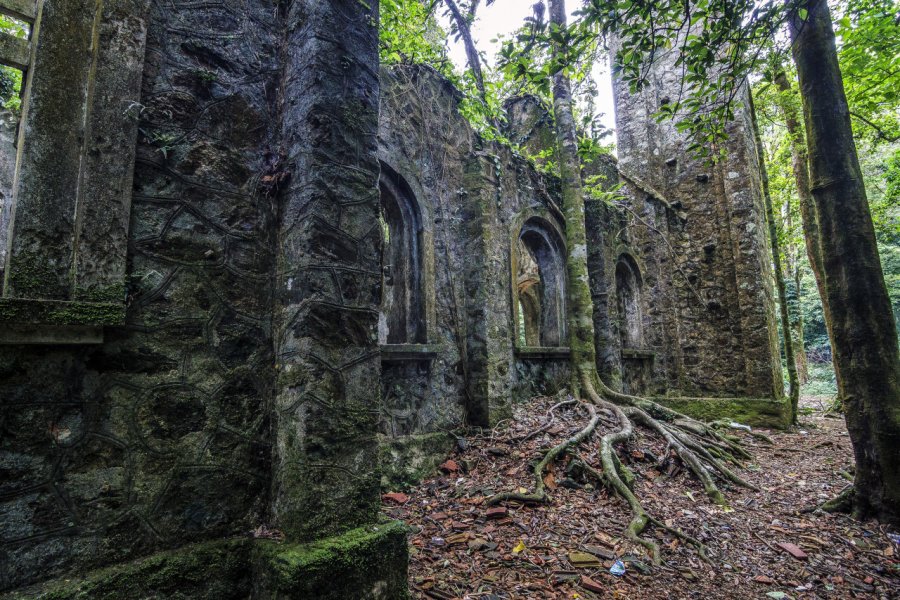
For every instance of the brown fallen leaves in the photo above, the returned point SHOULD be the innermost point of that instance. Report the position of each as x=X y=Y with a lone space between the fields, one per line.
x=461 y=549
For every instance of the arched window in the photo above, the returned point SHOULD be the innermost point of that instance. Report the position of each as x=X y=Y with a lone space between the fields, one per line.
x=540 y=285
x=628 y=297
x=402 y=318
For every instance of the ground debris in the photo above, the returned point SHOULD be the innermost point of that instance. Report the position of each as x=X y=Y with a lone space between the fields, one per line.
x=526 y=550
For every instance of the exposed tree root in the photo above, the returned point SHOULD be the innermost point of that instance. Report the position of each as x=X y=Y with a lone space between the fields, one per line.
x=549 y=422
x=540 y=494
x=845 y=502
x=700 y=447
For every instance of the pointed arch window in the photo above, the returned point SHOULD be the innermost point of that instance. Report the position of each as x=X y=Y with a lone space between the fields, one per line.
x=402 y=317
x=628 y=298
x=540 y=285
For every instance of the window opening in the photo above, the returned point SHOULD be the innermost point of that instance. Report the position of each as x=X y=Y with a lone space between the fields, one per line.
x=16 y=23
x=540 y=286
x=402 y=317
x=629 y=303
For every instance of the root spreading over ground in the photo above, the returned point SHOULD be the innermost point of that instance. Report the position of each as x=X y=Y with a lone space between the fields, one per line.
x=701 y=448
x=632 y=480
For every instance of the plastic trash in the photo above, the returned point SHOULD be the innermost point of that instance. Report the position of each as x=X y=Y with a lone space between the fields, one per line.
x=894 y=537
x=618 y=568
x=735 y=425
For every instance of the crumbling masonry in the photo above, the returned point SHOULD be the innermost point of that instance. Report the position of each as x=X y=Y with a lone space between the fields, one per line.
x=248 y=278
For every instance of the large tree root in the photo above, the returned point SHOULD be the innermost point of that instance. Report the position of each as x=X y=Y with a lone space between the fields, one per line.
x=700 y=447
x=540 y=493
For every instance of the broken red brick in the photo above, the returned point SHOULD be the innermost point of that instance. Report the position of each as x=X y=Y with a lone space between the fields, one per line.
x=498 y=512
x=793 y=549
x=450 y=466
x=591 y=585
x=397 y=497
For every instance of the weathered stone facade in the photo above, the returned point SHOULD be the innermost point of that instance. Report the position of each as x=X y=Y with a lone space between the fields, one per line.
x=298 y=264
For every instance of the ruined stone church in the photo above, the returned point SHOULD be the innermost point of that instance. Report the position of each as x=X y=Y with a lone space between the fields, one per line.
x=249 y=277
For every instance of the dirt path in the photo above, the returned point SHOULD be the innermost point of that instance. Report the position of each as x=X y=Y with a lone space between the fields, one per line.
x=459 y=550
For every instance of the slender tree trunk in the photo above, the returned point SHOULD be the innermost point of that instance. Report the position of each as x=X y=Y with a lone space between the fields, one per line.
x=793 y=382
x=792 y=277
x=864 y=339
x=797 y=325
x=581 y=309
x=471 y=51
x=808 y=218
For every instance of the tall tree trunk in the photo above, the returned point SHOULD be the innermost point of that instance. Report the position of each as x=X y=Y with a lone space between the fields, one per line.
x=800 y=165
x=581 y=307
x=793 y=382
x=462 y=23
x=797 y=326
x=866 y=356
x=792 y=285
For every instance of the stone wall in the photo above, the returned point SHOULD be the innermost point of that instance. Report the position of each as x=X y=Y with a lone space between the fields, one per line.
x=725 y=338
x=227 y=401
x=474 y=198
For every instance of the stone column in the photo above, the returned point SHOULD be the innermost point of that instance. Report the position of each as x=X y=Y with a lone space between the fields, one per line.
x=328 y=280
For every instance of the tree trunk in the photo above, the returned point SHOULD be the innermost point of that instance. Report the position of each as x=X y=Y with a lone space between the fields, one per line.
x=808 y=218
x=797 y=326
x=581 y=309
x=864 y=339
x=792 y=283
x=471 y=51
x=793 y=382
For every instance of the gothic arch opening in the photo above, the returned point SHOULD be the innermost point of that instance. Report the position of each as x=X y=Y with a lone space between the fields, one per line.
x=540 y=285
x=628 y=298
x=402 y=316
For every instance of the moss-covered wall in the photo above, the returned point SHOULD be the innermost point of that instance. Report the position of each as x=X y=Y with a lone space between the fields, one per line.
x=709 y=242
x=474 y=197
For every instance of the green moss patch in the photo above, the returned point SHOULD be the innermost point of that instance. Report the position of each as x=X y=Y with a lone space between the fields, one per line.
x=756 y=412
x=55 y=312
x=368 y=562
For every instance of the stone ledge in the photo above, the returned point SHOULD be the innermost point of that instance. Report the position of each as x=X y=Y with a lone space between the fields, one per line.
x=218 y=570
x=756 y=412
x=408 y=352
x=48 y=316
x=636 y=354
x=539 y=352
x=367 y=563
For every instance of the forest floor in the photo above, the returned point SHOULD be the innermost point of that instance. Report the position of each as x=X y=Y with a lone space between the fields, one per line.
x=461 y=548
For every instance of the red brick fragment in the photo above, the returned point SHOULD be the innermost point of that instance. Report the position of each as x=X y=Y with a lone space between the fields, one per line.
x=498 y=512
x=397 y=497
x=591 y=585
x=793 y=549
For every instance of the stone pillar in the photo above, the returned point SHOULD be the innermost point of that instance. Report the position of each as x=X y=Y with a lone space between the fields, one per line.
x=478 y=186
x=328 y=279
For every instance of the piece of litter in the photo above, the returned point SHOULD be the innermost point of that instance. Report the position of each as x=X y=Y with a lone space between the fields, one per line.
x=618 y=568
x=735 y=425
